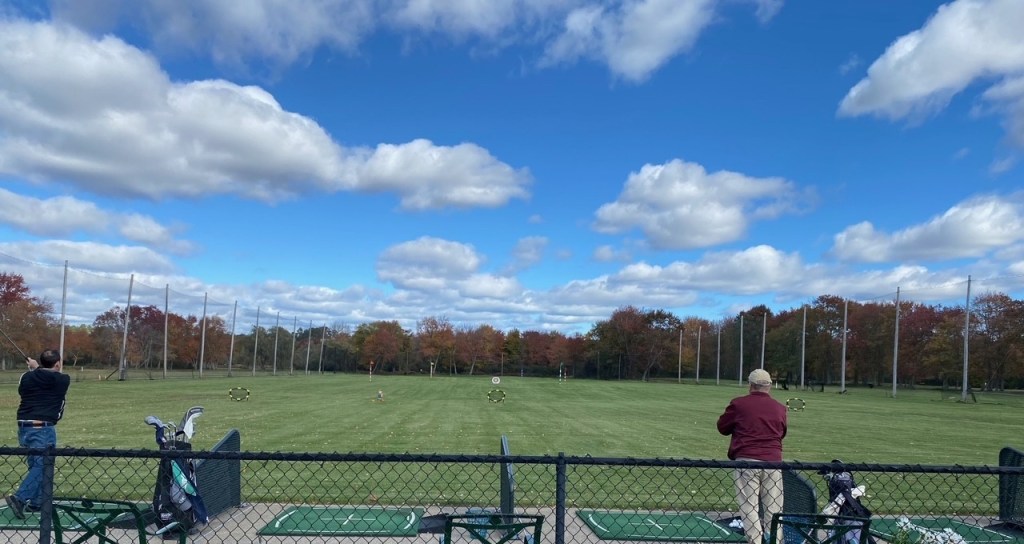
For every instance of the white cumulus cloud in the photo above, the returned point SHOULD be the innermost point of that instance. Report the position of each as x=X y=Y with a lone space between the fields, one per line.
x=679 y=205
x=66 y=216
x=102 y=115
x=970 y=229
x=632 y=37
x=964 y=42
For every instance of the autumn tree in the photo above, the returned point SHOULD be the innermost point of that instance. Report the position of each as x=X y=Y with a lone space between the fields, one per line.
x=784 y=353
x=436 y=341
x=999 y=340
x=183 y=339
x=941 y=359
x=620 y=337
x=918 y=324
x=696 y=332
x=107 y=336
x=24 y=318
x=871 y=341
x=644 y=340
x=824 y=336
x=339 y=351
x=380 y=342
x=479 y=345
x=78 y=346
x=512 y=350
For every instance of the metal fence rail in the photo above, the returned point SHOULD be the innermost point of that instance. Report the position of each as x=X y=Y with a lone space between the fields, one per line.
x=377 y=498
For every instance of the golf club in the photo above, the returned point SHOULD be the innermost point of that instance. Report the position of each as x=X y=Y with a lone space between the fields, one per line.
x=13 y=344
x=188 y=422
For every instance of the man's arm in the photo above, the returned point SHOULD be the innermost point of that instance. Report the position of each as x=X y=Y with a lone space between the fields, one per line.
x=32 y=363
x=727 y=421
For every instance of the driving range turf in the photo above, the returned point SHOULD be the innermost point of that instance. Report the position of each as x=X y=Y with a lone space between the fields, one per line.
x=541 y=416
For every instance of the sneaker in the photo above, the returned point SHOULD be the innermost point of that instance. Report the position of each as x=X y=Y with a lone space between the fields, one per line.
x=31 y=508
x=16 y=506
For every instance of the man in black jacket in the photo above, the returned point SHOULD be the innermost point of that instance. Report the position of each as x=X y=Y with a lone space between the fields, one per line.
x=43 y=390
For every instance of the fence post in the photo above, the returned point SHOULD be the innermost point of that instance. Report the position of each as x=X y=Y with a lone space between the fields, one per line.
x=46 y=488
x=560 y=499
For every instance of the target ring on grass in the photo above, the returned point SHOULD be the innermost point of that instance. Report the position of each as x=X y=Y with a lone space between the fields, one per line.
x=496 y=395
x=238 y=394
x=796 y=404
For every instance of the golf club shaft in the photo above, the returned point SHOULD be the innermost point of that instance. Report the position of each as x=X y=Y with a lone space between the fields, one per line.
x=13 y=344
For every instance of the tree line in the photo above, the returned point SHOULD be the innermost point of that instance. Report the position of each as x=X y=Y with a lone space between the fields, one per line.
x=803 y=344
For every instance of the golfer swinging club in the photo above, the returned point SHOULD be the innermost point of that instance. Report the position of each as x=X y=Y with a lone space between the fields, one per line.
x=757 y=424
x=42 y=389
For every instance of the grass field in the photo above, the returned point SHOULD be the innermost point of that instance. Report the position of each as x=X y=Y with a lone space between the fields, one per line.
x=336 y=413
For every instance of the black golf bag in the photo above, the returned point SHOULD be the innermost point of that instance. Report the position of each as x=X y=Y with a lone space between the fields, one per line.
x=844 y=498
x=176 y=499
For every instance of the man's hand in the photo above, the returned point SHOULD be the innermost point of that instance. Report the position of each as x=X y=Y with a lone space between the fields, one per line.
x=32 y=363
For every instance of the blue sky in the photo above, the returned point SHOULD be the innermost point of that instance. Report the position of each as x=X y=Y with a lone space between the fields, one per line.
x=522 y=163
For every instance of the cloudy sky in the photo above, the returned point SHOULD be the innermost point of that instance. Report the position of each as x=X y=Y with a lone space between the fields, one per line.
x=523 y=163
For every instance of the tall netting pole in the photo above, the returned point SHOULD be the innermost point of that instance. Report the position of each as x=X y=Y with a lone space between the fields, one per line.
x=764 y=334
x=842 y=373
x=167 y=303
x=967 y=330
x=718 y=358
x=740 y=377
x=309 y=343
x=277 y=330
x=896 y=343
x=803 y=350
x=291 y=362
x=697 y=374
x=323 y=341
x=124 y=341
x=202 y=338
x=679 y=364
x=231 y=348
x=256 y=341
x=63 y=308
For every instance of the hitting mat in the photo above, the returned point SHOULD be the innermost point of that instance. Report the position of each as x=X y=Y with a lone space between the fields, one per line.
x=344 y=521
x=8 y=521
x=886 y=529
x=663 y=526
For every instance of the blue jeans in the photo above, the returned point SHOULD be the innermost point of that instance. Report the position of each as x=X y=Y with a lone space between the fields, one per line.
x=34 y=437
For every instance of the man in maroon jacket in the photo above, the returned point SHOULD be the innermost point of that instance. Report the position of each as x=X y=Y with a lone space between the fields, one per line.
x=757 y=424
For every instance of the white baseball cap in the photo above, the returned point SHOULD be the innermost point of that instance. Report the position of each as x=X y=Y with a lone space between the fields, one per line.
x=760 y=377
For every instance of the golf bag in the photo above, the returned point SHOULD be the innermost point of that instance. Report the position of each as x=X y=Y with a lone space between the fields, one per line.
x=844 y=498
x=176 y=500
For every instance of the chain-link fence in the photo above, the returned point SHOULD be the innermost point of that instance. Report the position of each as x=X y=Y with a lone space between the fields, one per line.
x=376 y=498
